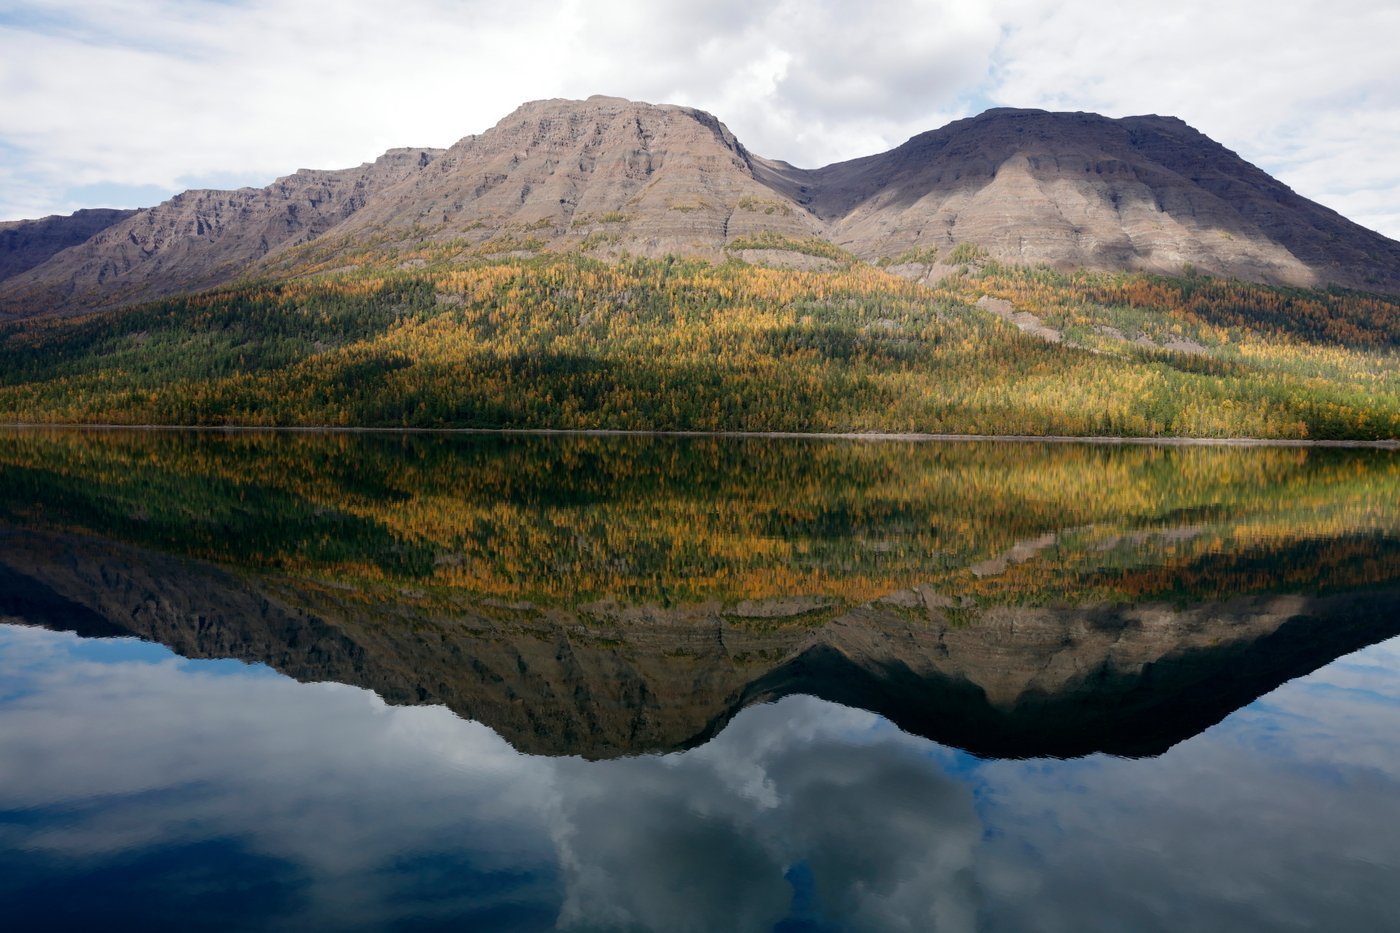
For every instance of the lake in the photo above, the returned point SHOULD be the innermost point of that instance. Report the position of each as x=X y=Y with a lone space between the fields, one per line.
x=305 y=681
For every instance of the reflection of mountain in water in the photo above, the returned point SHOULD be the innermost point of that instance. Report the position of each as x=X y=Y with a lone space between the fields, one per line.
x=606 y=679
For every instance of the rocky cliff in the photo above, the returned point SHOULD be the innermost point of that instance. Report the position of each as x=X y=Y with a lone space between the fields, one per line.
x=25 y=244
x=609 y=177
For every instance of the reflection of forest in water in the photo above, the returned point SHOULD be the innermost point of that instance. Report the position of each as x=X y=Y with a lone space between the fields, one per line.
x=662 y=520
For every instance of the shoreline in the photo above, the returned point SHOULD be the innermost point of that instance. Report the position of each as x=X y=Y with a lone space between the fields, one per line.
x=881 y=436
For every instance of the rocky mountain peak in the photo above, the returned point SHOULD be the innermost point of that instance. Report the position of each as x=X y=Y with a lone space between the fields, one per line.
x=603 y=174
x=1084 y=190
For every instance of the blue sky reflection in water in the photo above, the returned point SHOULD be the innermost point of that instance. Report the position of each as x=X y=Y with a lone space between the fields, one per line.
x=143 y=791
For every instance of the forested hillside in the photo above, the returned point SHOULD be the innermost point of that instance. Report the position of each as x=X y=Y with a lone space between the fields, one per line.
x=562 y=341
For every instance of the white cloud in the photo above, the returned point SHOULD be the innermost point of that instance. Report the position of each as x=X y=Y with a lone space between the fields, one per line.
x=1308 y=89
x=129 y=93
x=340 y=788
x=705 y=840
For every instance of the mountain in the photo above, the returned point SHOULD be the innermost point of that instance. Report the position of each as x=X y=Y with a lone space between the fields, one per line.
x=607 y=595
x=609 y=177
x=199 y=239
x=647 y=179
x=1079 y=189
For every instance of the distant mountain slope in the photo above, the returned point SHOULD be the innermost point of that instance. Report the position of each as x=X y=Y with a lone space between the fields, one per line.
x=199 y=239
x=25 y=244
x=608 y=177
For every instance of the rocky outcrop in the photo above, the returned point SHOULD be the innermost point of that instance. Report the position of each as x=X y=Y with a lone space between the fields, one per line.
x=612 y=679
x=25 y=244
x=610 y=177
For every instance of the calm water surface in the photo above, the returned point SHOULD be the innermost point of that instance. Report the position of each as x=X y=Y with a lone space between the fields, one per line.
x=267 y=682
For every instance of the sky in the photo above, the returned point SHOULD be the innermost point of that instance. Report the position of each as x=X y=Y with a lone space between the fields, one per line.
x=121 y=103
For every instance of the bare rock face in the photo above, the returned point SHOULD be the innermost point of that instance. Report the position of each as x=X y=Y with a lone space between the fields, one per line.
x=199 y=239
x=610 y=177
x=25 y=244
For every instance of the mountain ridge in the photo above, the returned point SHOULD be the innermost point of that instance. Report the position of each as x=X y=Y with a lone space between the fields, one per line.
x=612 y=177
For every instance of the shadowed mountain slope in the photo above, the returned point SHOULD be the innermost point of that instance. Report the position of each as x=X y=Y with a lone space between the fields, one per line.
x=1078 y=189
x=25 y=244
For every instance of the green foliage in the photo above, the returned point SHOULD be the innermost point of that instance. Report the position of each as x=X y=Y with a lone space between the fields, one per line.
x=598 y=240
x=918 y=255
x=811 y=246
x=764 y=206
x=967 y=253
x=509 y=243
x=589 y=220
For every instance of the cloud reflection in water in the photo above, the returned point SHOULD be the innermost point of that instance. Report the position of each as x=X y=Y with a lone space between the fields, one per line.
x=141 y=784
